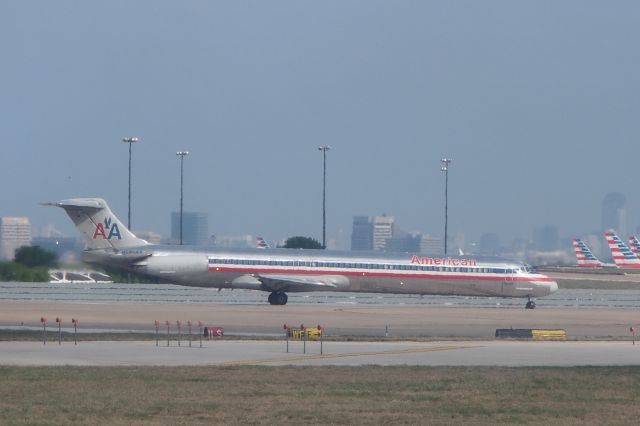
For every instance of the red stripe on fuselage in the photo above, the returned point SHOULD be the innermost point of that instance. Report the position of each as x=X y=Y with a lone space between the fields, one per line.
x=408 y=274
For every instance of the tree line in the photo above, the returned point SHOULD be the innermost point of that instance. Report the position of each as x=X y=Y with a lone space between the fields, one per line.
x=30 y=264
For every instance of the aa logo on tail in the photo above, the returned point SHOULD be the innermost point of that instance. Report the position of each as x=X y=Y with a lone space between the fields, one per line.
x=101 y=229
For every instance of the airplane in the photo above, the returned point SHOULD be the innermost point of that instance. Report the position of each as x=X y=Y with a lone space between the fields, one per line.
x=586 y=259
x=261 y=243
x=622 y=255
x=279 y=271
x=634 y=245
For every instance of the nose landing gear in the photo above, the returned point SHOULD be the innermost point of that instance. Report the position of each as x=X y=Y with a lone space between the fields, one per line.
x=277 y=298
x=531 y=304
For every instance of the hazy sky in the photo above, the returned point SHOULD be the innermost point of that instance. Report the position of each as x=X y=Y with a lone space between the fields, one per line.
x=537 y=102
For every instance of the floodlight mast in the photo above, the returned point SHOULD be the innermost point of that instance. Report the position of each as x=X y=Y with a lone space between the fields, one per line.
x=181 y=154
x=445 y=168
x=324 y=149
x=130 y=141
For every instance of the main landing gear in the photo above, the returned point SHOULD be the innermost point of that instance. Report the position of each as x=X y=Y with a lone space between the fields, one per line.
x=277 y=298
x=531 y=304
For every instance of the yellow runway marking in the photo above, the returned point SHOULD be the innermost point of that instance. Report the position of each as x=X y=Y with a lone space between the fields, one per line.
x=310 y=357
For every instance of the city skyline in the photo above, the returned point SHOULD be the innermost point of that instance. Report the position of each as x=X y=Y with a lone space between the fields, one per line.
x=531 y=102
x=544 y=237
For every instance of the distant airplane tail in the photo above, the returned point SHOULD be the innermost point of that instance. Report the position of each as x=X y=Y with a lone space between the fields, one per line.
x=634 y=245
x=100 y=228
x=261 y=243
x=586 y=259
x=622 y=255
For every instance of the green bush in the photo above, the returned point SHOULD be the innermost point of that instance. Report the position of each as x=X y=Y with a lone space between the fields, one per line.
x=302 y=243
x=35 y=256
x=12 y=271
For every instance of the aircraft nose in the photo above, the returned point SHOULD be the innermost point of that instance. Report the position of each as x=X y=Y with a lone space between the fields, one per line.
x=553 y=287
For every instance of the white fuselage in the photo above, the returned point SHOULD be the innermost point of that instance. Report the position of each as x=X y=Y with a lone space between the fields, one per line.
x=277 y=269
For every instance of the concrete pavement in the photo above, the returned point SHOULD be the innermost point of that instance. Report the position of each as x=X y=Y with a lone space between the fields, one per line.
x=271 y=353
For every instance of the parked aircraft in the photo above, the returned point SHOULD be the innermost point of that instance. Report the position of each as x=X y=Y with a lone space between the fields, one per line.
x=634 y=245
x=622 y=255
x=279 y=271
x=586 y=259
x=261 y=243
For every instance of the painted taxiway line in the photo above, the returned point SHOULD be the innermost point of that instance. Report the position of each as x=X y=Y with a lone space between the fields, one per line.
x=312 y=357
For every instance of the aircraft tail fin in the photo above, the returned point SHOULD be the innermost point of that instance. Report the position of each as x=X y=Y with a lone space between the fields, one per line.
x=586 y=259
x=100 y=228
x=261 y=243
x=634 y=245
x=622 y=255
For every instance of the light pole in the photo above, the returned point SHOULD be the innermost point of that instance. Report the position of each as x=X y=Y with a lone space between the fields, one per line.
x=324 y=149
x=130 y=141
x=181 y=154
x=445 y=168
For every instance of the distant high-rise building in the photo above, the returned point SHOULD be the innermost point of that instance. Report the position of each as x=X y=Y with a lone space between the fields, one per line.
x=415 y=243
x=361 y=234
x=371 y=232
x=195 y=228
x=15 y=232
x=152 y=237
x=431 y=245
x=545 y=238
x=614 y=215
x=407 y=243
x=490 y=243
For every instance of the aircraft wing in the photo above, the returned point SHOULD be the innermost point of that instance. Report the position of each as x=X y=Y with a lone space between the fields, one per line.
x=278 y=282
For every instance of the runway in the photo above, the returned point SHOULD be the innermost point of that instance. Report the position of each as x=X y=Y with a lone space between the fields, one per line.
x=273 y=353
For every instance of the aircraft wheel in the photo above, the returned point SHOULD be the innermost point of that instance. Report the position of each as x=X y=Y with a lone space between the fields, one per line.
x=530 y=305
x=278 y=298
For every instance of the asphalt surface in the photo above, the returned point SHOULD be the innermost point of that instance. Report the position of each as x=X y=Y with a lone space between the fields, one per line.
x=471 y=327
x=273 y=353
x=338 y=320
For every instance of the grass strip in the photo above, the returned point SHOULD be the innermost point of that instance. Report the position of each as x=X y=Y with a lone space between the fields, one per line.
x=319 y=395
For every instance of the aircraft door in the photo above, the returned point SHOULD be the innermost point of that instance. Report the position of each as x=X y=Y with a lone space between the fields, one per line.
x=508 y=282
